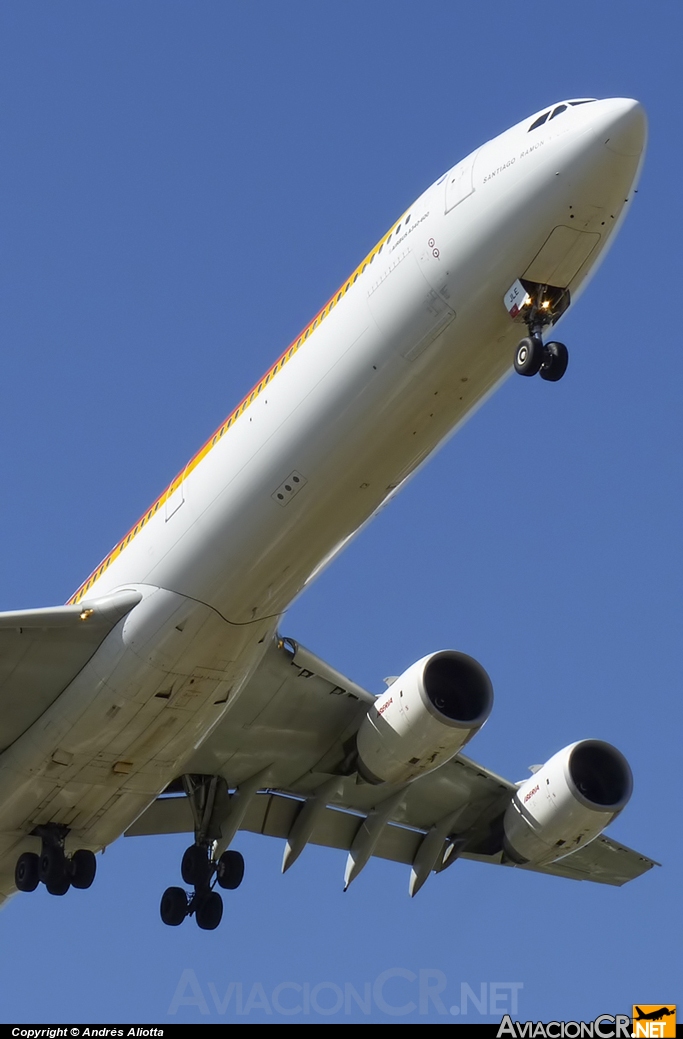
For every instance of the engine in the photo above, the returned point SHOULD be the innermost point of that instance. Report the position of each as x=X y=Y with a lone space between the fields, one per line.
x=425 y=717
x=567 y=803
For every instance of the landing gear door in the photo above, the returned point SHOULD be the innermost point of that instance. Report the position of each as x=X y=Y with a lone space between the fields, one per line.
x=459 y=182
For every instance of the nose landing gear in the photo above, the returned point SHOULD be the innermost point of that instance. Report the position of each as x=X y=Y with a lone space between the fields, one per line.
x=539 y=306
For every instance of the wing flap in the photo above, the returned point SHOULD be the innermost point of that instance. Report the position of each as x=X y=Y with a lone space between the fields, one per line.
x=273 y=815
x=603 y=861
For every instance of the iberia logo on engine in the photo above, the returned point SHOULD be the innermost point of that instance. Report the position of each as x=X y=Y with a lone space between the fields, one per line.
x=654 y=1021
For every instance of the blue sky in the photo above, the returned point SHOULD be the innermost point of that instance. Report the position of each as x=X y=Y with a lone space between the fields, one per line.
x=181 y=186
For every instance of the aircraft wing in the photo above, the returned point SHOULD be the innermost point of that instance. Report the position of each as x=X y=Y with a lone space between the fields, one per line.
x=283 y=749
x=604 y=860
x=42 y=651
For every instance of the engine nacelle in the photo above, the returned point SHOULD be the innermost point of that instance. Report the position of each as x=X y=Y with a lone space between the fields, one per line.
x=567 y=803
x=425 y=717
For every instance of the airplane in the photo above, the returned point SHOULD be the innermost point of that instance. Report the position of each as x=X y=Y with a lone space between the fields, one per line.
x=162 y=698
x=654 y=1015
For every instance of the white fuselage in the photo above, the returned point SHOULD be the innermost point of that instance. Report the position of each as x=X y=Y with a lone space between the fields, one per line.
x=402 y=355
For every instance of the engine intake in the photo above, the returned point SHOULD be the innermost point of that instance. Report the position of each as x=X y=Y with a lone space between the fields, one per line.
x=458 y=688
x=600 y=774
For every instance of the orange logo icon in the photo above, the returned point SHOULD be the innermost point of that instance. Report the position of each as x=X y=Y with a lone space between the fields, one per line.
x=654 y=1021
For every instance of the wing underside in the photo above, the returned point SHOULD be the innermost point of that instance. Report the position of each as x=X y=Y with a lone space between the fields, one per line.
x=42 y=651
x=281 y=752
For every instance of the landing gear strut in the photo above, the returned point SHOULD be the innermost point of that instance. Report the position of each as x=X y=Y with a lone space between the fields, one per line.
x=199 y=868
x=53 y=867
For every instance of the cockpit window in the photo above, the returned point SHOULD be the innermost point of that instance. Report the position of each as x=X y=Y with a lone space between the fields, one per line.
x=558 y=111
x=538 y=122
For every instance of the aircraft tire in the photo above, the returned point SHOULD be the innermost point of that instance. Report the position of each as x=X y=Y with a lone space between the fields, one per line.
x=173 y=906
x=83 y=869
x=556 y=361
x=52 y=870
x=209 y=912
x=60 y=886
x=194 y=867
x=26 y=871
x=529 y=356
x=230 y=870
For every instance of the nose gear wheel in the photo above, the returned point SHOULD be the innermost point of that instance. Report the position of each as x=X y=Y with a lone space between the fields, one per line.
x=555 y=363
x=529 y=356
x=533 y=358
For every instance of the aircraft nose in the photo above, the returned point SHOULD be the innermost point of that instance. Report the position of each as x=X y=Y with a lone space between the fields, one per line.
x=626 y=127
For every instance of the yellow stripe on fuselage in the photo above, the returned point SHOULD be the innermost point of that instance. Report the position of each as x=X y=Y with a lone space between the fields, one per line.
x=239 y=410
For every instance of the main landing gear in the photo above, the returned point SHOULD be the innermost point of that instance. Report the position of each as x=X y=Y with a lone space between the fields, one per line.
x=53 y=867
x=532 y=357
x=202 y=873
x=199 y=869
